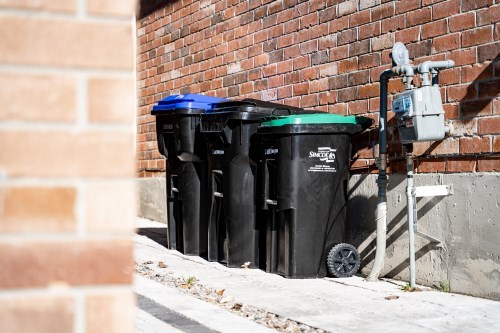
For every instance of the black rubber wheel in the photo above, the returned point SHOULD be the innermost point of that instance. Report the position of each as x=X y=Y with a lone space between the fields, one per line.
x=343 y=260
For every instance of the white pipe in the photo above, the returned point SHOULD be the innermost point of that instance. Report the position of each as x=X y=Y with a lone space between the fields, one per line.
x=381 y=218
x=410 y=189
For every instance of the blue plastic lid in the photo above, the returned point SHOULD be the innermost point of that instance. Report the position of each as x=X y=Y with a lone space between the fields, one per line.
x=187 y=101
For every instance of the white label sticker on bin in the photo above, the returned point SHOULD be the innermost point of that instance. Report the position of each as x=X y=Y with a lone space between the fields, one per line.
x=326 y=155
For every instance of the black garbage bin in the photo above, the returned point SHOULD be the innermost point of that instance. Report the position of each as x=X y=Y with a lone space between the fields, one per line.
x=305 y=161
x=180 y=141
x=234 y=224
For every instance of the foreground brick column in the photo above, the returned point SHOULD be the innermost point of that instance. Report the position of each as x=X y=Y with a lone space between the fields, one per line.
x=67 y=200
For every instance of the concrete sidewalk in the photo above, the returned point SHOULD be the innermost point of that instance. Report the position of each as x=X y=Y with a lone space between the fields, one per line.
x=334 y=305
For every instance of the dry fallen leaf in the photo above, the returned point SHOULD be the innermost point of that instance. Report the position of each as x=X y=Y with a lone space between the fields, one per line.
x=220 y=292
x=186 y=285
x=246 y=264
x=392 y=297
x=161 y=264
x=149 y=262
x=237 y=306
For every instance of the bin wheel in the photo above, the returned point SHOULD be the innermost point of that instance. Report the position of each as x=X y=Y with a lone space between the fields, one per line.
x=343 y=260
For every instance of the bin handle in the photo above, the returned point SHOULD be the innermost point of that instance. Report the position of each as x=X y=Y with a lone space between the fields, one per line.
x=265 y=186
x=275 y=111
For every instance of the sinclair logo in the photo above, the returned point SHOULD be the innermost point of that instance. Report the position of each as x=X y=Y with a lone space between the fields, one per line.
x=325 y=154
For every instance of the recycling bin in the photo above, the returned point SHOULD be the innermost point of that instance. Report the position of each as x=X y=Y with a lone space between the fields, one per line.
x=234 y=224
x=180 y=141
x=305 y=161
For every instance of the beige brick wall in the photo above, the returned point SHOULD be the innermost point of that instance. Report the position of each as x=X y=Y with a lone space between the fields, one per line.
x=67 y=198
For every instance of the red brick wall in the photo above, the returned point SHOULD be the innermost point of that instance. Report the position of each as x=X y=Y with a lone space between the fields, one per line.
x=328 y=55
x=67 y=184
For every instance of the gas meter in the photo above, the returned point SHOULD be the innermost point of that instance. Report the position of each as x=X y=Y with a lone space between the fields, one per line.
x=419 y=111
x=419 y=114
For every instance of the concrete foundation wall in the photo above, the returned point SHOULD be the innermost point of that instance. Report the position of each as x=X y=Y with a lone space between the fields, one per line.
x=468 y=223
x=152 y=198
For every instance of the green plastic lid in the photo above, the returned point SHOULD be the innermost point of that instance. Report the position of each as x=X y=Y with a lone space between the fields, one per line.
x=315 y=118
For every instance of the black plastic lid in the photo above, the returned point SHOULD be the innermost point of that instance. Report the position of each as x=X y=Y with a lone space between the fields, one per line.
x=253 y=109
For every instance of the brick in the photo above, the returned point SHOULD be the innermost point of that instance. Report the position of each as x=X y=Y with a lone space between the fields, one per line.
x=445 y=147
x=110 y=312
x=474 y=145
x=37 y=209
x=383 y=11
x=476 y=72
x=107 y=261
x=347 y=7
x=393 y=23
x=310 y=73
x=37 y=314
x=369 y=30
x=477 y=36
x=406 y=6
x=480 y=107
x=347 y=94
x=418 y=17
x=446 y=43
x=41 y=5
x=346 y=36
x=347 y=66
x=359 y=18
x=445 y=9
x=63 y=43
x=490 y=125
x=475 y=4
x=301 y=89
x=489 y=88
x=449 y=76
x=408 y=35
x=383 y=42
x=369 y=90
x=358 y=107
x=126 y=8
x=369 y=60
x=430 y=165
x=496 y=144
x=37 y=97
x=488 y=52
x=463 y=56
x=488 y=164
x=434 y=29
x=488 y=15
x=67 y=154
x=309 y=101
x=357 y=48
x=464 y=127
x=110 y=206
x=328 y=70
x=462 y=22
x=460 y=164
x=111 y=100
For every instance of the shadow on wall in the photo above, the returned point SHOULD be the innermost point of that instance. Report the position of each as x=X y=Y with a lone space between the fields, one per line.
x=362 y=225
x=147 y=7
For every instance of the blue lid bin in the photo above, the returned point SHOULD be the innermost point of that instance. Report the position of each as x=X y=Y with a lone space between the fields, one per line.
x=185 y=148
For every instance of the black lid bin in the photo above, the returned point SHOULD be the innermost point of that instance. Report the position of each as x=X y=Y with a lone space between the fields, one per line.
x=233 y=154
x=180 y=141
x=305 y=161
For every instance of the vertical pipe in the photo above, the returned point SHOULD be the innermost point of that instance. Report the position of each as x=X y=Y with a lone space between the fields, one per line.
x=381 y=213
x=410 y=195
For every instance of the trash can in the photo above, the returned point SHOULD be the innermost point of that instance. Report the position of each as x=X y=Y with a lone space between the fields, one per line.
x=234 y=226
x=185 y=148
x=305 y=161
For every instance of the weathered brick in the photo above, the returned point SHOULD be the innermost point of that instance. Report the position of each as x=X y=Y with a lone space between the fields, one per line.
x=475 y=4
x=490 y=125
x=460 y=164
x=477 y=36
x=111 y=100
x=84 y=262
x=445 y=9
x=110 y=312
x=433 y=29
x=418 y=17
x=32 y=313
x=446 y=43
x=488 y=164
x=408 y=35
x=430 y=165
x=41 y=5
x=110 y=206
x=488 y=52
x=63 y=43
x=38 y=209
x=474 y=145
x=66 y=154
x=383 y=42
x=406 y=6
x=124 y=8
x=51 y=97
